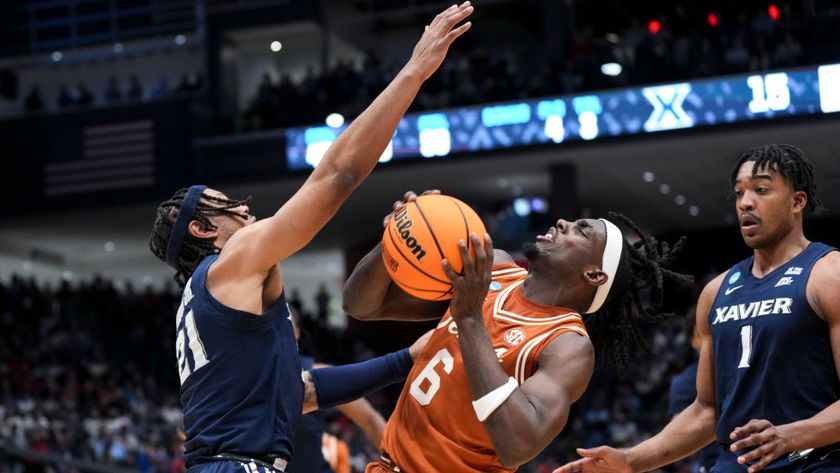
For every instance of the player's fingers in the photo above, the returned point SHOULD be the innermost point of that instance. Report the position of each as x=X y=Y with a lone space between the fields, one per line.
x=746 y=429
x=758 y=466
x=573 y=467
x=595 y=452
x=449 y=272
x=457 y=32
x=456 y=16
x=488 y=248
x=437 y=19
x=750 y=441
x=409 y=196
x=753 y=454
x=469 y=264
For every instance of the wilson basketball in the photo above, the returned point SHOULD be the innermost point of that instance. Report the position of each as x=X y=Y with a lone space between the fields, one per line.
x=420 y=236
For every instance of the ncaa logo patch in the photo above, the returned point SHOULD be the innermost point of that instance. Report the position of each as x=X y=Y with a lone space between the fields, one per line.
x=495 y=285
x=734 y=277
x=514 y=337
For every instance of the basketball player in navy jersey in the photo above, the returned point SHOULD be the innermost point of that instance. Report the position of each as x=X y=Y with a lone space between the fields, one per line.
x=768 y=381
x=241 y=385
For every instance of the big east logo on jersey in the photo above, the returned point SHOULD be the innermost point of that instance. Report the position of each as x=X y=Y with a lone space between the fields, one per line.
x=514 y=337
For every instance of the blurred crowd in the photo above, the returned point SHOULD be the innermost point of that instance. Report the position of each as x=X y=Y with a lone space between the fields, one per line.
x=681 y=46
x=88 y=373
x=81 y=95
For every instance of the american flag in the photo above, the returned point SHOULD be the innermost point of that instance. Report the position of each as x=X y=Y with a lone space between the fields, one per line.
x=113 y=156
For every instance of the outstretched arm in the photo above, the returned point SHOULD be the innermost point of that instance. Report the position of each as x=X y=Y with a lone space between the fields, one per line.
x=347 y=162
x=689 y=431
x=336 y=385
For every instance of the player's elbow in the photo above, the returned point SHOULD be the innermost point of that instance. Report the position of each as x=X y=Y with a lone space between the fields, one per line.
x=516 y=453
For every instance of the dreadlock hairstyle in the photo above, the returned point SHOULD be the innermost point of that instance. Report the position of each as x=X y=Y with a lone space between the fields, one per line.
x=194 y=249
x=636 y=296
x=790 y=162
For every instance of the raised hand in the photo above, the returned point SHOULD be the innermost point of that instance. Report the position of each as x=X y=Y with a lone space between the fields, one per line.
x=597 y=460
x=469 y=289
x=431 y=49
x=767 y=443
x=409 y=196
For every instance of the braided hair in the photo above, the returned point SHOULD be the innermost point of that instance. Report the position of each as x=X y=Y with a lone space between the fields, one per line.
x=194 y=249
x=615 y=328
x=790 y=162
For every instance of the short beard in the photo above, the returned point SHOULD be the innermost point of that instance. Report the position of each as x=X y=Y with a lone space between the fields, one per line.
x=530 y=251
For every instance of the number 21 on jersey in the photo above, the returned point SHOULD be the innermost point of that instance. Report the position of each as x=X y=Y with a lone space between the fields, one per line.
x=186 y=330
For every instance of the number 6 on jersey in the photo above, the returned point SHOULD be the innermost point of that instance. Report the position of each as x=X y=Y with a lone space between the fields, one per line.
x=429 y=373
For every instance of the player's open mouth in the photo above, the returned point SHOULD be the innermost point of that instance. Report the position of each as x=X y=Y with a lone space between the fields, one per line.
x=549 y=235
x=748 y=222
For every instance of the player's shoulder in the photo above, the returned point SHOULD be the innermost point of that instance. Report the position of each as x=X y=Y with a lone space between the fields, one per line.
x=828 y=265
x=502 y=257
x=712 y=287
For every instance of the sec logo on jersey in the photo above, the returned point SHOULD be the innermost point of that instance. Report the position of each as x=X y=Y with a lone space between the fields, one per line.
x=514 y=337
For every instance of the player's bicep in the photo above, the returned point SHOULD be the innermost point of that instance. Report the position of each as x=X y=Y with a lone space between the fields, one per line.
x=502 y=257
x=295 y=224
x=399 y=305
x=564 y=369
x=824 y=296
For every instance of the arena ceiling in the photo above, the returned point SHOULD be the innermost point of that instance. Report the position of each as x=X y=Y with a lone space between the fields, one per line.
x=695 y=164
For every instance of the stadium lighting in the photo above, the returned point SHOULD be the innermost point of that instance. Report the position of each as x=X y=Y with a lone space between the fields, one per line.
x=118 y=48
x=613 y=38
x=57 y=56
x=110 y=246
x=276 y=46
x=713 y=20
x=694 y=211
x=521 y=207
x=664 y=188
x=773 y=11
x=611 y=69
x=654 y=26
x=335 y=120
x=180 y=40
x=680 y=199
x=648 y=176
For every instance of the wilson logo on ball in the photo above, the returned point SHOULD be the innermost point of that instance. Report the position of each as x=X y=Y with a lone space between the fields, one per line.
x=404 y=225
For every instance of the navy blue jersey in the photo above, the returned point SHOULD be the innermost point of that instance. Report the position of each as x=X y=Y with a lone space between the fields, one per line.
x=683 y=392
x=309 y=456
x=772 y=353
x=241 y=386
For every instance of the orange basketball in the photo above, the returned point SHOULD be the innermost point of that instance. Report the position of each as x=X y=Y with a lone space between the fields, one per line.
x=420 y=236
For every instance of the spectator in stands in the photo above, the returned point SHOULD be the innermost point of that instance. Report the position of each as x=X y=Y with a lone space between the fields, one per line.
x=65 y=98
x=162 y=89
x=112 y=92
x=135 y=89
x=85 y=96
x=34 y=102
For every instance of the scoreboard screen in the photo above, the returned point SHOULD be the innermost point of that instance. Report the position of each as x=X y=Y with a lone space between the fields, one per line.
x=630 y=111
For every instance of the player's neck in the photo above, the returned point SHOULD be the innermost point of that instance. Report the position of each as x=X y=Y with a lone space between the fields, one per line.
x=768 y=259
x=546 y=291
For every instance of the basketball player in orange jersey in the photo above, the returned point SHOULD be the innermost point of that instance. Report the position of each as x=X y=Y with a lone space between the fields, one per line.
x=512 y=350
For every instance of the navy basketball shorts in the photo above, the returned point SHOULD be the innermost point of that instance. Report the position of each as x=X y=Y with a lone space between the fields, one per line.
x=231 y=466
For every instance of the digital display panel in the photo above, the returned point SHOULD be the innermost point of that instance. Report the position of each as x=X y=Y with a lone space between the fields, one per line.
x=629 y=111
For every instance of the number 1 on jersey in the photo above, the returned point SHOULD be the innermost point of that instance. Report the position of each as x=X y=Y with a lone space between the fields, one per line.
x=746 y=346
x=429 y=373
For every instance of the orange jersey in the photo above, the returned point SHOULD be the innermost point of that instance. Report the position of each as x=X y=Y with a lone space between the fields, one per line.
x=336 y=453
x=434 y=427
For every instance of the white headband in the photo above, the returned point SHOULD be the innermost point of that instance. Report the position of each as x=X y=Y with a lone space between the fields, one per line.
x=609 y=264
